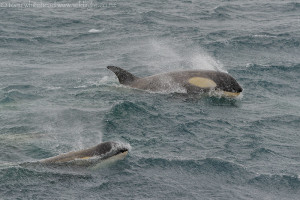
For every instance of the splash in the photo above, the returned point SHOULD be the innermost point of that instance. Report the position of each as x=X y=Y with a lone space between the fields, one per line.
x=120 y=145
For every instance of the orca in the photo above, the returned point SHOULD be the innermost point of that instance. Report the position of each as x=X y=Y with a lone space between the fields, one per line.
x=191 y=81
x=93 y=157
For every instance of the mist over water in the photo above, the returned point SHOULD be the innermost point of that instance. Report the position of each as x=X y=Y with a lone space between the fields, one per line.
x=164 y=55
x=57 y=96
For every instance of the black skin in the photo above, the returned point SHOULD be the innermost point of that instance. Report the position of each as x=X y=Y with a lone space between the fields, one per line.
x=102 y=149
x=165 y=81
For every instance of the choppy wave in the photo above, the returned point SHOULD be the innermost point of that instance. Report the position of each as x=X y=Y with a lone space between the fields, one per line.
x=56 y=96
x=228 y=173
x=279 y=183
x=14 y=93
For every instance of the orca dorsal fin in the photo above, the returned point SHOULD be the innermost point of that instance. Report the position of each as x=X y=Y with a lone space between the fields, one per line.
x=124 y=76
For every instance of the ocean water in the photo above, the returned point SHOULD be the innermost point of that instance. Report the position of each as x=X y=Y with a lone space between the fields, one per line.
x=56 y=95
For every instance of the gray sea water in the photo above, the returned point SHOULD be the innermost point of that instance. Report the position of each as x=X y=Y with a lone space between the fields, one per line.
x=56 y=95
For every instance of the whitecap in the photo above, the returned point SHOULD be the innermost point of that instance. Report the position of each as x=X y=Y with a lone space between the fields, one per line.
x=95 y=30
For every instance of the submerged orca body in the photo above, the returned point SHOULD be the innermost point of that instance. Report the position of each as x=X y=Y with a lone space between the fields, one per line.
x=194 y=81
x=91 y=157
